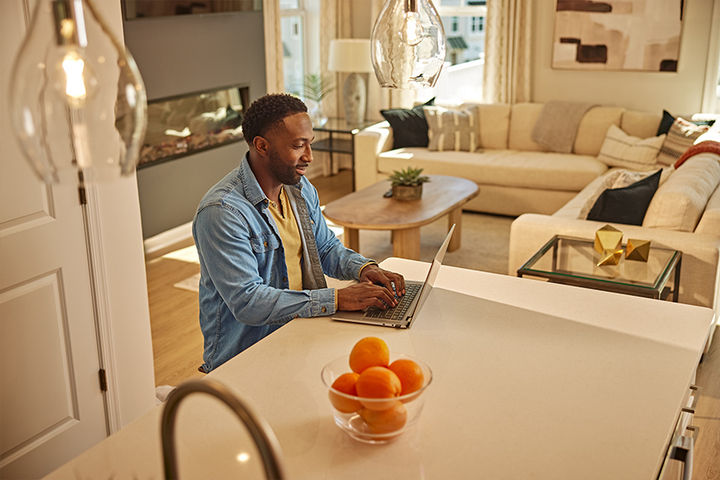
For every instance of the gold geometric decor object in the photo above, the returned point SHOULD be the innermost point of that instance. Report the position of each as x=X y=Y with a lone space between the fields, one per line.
x=608 y=238
x=610 y=257
x=637 y=250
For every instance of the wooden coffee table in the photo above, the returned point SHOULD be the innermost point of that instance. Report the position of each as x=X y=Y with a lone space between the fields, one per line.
x=368 y=209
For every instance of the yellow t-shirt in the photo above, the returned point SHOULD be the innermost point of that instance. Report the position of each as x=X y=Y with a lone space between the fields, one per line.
x=290 y=236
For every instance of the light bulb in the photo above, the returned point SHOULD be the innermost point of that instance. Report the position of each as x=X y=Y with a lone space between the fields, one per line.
x=74 y=74
x=408 y=44
x=411 y=32
x=77 y=101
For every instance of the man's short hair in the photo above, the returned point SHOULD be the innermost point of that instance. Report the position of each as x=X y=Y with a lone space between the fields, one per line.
x=268 y=111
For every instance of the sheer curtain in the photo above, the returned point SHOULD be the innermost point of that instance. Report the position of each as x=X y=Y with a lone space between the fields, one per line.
x=273 y=47
x=506 y=78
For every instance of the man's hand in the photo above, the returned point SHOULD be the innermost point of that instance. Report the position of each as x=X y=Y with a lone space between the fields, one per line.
x=363 y=295
x=375 y=274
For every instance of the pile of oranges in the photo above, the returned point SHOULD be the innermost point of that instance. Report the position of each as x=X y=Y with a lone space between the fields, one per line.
x=374 y=377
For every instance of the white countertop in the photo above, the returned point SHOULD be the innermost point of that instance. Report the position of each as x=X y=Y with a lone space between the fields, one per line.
x=531 y=380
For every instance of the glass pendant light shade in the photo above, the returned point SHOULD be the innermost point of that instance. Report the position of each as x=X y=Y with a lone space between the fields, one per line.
x=408 y=44
x=78 y=103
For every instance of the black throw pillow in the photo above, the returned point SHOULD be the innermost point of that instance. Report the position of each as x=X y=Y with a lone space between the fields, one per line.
x=626 y=205
x=410 y=129
x=668 y=120
x=665 y=123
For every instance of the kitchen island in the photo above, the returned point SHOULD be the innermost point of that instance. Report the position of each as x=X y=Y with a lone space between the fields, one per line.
x=531 y=380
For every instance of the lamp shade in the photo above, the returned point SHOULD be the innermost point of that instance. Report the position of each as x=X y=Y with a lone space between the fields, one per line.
x=350 y=55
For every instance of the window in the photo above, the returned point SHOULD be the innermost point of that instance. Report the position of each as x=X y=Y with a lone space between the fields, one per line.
x=454 y=24
x=477 y=24
x=291 y=27
x=300 y=29
x=461 y=80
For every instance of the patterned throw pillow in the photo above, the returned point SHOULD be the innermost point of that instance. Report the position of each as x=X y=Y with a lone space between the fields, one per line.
x=622 y=150
x=680 y=137
x=450 y=129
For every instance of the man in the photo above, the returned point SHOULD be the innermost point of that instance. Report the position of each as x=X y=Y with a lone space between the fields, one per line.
x=264 y=246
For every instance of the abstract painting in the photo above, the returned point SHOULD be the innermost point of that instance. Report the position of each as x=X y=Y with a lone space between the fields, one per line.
x=641 y=35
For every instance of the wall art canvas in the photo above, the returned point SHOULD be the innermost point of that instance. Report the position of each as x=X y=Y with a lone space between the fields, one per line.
x=640 y=35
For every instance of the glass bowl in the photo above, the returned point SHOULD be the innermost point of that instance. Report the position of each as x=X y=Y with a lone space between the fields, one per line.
x=374 y=420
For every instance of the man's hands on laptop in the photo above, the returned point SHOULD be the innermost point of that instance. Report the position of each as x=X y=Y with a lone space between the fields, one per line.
x=377 y=288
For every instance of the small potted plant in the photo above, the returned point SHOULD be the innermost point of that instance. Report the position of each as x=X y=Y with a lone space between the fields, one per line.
x=407 y=183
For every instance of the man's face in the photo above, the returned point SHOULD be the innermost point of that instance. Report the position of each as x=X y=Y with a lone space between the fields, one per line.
x=289 y=152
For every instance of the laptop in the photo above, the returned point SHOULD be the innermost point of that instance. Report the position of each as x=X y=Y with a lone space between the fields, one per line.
x=407 y=309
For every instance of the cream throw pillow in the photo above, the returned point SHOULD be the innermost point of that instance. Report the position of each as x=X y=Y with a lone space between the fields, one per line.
x=450 y=129
x=621 y=150
x=680 y=137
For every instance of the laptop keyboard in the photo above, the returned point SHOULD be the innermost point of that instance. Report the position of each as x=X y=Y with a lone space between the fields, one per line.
x=398 y=312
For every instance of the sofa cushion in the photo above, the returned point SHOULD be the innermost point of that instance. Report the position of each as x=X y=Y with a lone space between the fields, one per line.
x=546 y=171
x=626 y=205
x=522 y=121
x=710 y=220
x=593 y=127
x=450 y=129
x=680 y=137
x=492 y=123
x=679 y=202
x=640 y=124
x=410 y=129
x=622 y=150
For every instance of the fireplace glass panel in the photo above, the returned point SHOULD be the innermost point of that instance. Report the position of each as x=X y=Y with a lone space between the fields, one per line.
x=187 y=124
x=135 y=9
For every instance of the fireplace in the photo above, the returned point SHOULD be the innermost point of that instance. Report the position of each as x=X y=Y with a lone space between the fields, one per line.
x=190 y=123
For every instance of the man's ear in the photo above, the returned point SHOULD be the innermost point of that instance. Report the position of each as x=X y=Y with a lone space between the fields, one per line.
x=261 y=145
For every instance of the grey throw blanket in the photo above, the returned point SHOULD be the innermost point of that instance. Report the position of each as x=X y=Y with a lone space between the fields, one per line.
x=557 y=125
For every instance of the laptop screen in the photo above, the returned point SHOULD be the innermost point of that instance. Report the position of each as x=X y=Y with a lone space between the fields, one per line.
x=433 y=272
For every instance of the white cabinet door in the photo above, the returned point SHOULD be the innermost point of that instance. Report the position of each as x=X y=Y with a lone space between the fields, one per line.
x=51 y=405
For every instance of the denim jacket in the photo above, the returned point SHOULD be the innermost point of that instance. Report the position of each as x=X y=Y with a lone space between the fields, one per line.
x=244 y=292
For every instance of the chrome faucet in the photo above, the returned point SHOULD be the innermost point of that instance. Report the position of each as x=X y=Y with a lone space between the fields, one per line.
x=260 y=431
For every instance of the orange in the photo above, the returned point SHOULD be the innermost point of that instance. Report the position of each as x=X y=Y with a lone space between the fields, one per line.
x=410 y=375
x=345 y=383
x=369 y=352
x=385 y=421
x=378 y=382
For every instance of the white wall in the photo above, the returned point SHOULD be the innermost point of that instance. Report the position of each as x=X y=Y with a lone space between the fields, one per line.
x=678 y=92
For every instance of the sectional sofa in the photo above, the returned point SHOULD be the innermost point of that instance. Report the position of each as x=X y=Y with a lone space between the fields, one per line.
x=547 y=190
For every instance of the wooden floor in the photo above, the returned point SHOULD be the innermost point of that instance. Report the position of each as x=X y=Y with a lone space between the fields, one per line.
x=178 y=342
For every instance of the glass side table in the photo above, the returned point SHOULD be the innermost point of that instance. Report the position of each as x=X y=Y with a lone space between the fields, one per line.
x=573 y=261
x=339 y=127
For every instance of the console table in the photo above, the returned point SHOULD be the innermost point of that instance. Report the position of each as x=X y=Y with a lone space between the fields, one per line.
x=528 y=383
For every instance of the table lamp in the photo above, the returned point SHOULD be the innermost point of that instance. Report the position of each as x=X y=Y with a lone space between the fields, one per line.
x=352 y=55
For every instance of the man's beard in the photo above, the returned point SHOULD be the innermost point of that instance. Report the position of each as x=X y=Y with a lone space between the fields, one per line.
x=285 y=173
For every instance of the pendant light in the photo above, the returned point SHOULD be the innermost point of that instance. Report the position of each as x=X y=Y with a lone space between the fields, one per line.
x=408 y=44
x=77 y=101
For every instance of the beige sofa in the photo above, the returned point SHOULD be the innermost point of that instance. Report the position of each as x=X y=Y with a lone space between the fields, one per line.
x=513 y=172
x=548 y=190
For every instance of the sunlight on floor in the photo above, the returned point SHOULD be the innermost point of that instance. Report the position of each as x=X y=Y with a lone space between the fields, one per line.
x=187 y=254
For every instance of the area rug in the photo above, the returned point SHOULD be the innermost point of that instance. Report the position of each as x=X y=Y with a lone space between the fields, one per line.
x=485 y=241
